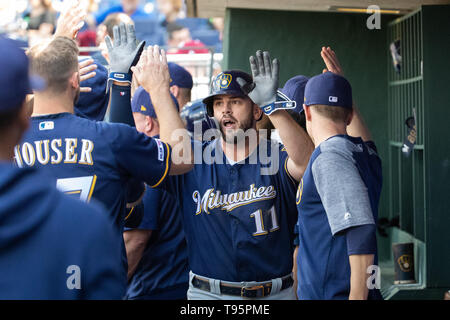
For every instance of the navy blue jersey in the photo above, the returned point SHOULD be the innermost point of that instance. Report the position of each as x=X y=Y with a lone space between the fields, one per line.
x=47 y=239
x=340 y=189
x=163 y=271
x=238 y=220
x=93 y=160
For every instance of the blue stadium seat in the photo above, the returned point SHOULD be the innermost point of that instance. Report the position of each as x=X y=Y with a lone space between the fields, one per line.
x=146 y=26
x=194 y=23
x=208 y=37
x=150 y=31
x=156 y=38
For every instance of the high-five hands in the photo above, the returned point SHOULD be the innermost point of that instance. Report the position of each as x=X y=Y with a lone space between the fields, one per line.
x=152 y=71
x=123 y=53
x=87 y=68
x=264 y=89
x=331 y=61
x=70 y=21
x=357 y=127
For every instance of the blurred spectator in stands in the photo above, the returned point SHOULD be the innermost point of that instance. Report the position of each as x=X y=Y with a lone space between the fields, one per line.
x=129 y=7
x=170 y=10
x=179 y=41
x=91 y=8
x=87 y=35
x=218 y=24
x=41 y=17
x=41 y=21
x=106 y=29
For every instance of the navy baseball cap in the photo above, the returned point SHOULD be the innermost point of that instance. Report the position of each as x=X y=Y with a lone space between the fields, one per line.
x=329 y=89
x=142 y=103
x=294 y=89
x=15 y=80
x=179 y=76
x=226 y=83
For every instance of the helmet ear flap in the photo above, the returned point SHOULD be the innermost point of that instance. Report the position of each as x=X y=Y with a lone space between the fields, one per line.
x=210 y=110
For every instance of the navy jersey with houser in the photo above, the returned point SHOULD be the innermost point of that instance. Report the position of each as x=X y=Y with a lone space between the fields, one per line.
x=92 y=159
x=341 y=169
x=53 y=246
x=238 y=222
x=163 y=271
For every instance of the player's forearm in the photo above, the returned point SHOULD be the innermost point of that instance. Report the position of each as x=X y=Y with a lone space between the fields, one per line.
x=358 y=128
x=173 y=132
x=135 y=243
x=297 y=142
x=133 y=259
x=168 y=117
x=358 y=279
x=120 y=104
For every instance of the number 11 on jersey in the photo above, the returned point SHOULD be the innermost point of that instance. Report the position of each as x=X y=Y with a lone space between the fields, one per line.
x=259 y=221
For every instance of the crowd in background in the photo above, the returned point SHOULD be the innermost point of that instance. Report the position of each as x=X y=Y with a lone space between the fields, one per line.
x=158 y=22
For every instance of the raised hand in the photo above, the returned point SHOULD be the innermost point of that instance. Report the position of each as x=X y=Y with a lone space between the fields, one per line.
x=70 y=21
x=331 y=61
x=123 y=53
x=87 y=68
x=263 y=90
x=357 y=127
x=152 y=71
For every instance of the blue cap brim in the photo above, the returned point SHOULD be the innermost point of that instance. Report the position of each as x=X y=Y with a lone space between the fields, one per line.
x=236 y=93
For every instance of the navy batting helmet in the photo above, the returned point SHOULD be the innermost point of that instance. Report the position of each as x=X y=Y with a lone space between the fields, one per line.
x=226 y=83
x=195 y=112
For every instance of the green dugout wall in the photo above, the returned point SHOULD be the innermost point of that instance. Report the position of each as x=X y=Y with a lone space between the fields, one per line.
x=416 y=192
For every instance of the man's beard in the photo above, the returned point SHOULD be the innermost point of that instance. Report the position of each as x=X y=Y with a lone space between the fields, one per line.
x=236 y=135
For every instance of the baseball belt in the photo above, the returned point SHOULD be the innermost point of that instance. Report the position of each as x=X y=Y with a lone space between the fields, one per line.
x=256 y=291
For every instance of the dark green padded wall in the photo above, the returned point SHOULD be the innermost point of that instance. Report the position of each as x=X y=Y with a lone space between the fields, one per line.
x=296 y=39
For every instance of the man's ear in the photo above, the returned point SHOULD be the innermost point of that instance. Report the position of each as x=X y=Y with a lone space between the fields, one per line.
x=257 y=112
x=148 y=124
x=307 y=111
x=75 y=80
x=175 y=90
x=350 y=116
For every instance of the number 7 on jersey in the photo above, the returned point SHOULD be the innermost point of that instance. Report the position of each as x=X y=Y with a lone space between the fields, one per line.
x=84 y=186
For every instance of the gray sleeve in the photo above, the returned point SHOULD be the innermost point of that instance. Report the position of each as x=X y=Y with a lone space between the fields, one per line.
x=342 y=191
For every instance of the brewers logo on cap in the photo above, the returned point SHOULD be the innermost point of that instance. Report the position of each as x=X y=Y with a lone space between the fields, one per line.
x=223 y=81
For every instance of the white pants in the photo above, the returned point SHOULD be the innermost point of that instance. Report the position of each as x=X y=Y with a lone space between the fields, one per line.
x=214 y=294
